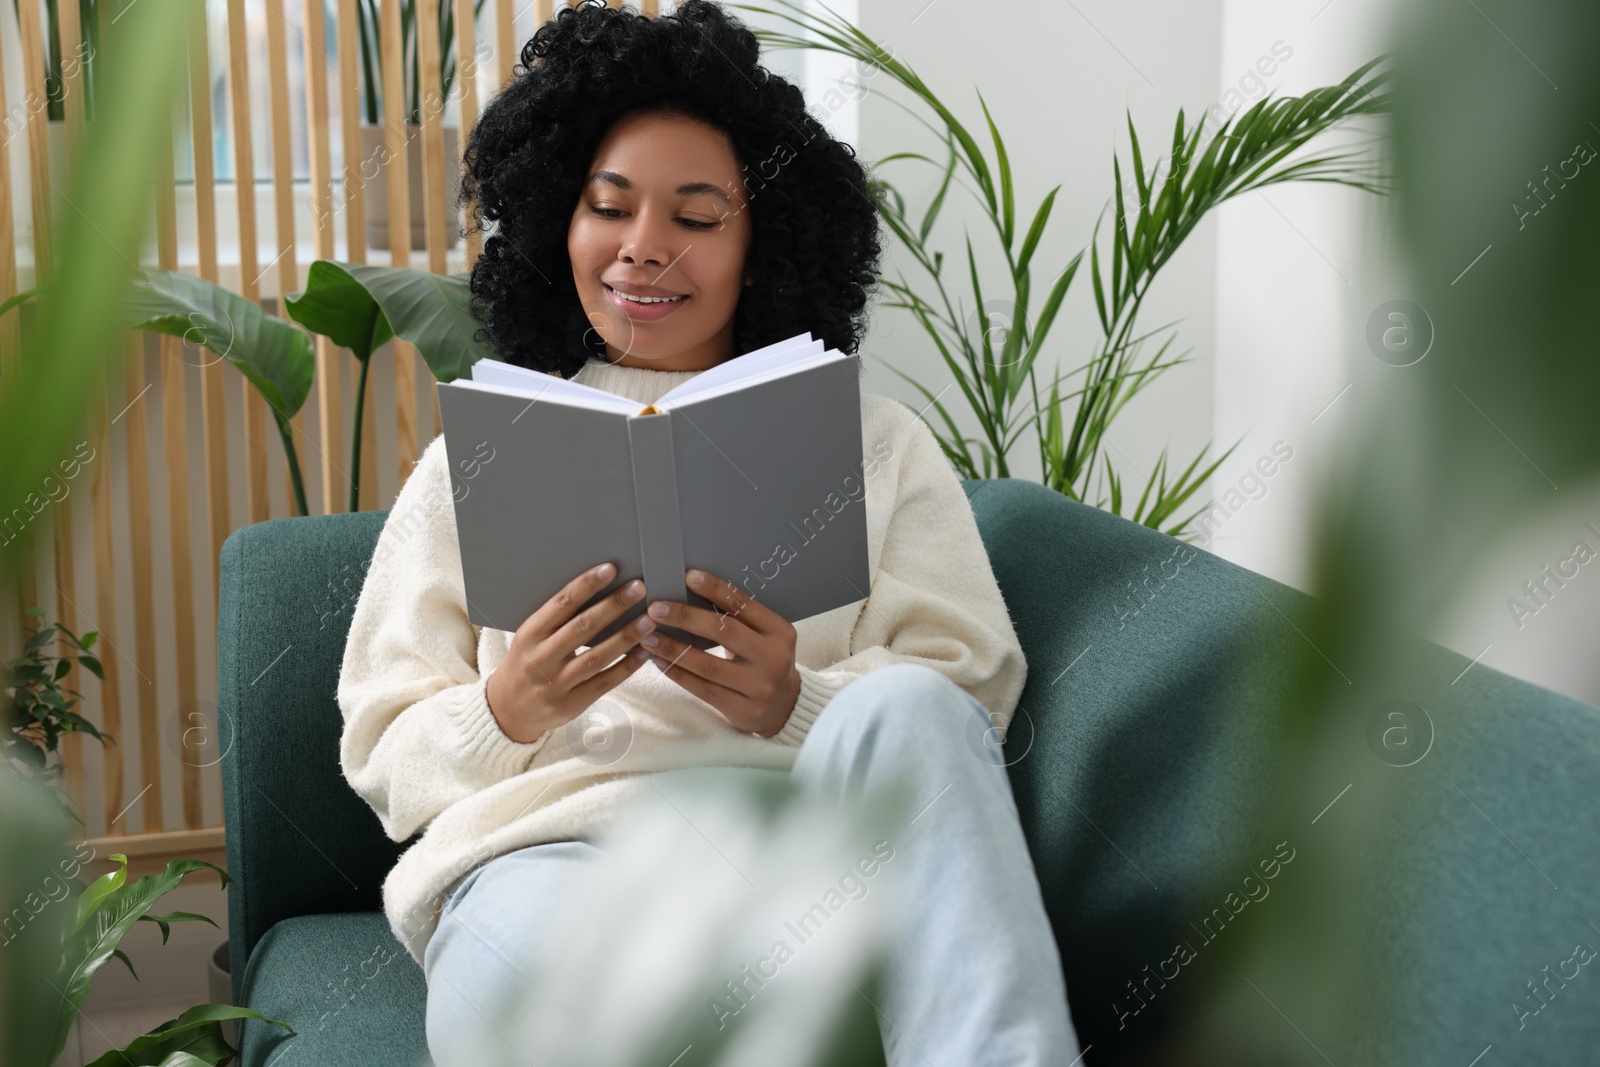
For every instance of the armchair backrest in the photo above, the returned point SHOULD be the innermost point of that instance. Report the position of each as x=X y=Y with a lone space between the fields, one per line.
x=299 y=839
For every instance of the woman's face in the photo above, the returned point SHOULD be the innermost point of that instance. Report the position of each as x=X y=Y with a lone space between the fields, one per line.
x=662 y=214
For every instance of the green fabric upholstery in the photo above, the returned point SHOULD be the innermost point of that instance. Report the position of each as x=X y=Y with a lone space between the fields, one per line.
x=1134 y=746
x=344 y=983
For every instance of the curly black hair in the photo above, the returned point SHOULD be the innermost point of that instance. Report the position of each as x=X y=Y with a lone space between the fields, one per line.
x=815 y=247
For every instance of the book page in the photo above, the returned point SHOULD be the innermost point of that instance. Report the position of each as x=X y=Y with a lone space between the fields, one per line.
x=746 y=368
x=555 y=390
x=774 y=371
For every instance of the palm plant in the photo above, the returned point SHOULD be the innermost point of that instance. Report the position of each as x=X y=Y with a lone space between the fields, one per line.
x=367 y=21
x=992 y=365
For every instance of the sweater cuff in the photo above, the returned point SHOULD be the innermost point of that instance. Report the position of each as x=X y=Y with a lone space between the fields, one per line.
x=482 y=739
x=816 y=689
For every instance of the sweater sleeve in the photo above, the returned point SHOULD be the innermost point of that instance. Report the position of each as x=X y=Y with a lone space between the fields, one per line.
x=934 y=599
x=418 y=733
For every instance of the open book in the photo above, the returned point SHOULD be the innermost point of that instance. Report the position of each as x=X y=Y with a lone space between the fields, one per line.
x=751 y=471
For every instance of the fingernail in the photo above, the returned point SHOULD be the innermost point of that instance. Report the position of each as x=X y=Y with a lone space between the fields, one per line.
x=644 y=625
x=697 y=577
x=605 y=570
x=659 y=609
x=651 y=639
x=633 y=590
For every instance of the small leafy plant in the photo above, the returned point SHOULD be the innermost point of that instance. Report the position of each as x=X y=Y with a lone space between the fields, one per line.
x=38 y=708
x=105 y=911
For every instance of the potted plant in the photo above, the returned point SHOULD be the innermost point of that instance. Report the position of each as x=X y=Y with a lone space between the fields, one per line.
x=374 y=145
x=72 y=935
x=38 y=709
x=994 y=362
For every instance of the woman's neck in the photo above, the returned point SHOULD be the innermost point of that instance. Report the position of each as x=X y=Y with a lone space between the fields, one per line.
x=643 y=384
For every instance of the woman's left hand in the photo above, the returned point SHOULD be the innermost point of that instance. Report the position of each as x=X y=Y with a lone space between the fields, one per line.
x=756 y=688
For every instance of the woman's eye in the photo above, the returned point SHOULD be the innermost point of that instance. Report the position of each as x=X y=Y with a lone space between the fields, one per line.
x=693 y=224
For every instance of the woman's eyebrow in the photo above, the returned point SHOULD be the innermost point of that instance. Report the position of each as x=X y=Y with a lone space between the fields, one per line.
x=687 y=189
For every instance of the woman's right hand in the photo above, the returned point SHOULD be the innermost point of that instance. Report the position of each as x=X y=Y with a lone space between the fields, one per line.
x=541 y=684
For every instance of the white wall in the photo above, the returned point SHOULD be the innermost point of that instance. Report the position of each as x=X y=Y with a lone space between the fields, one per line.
x=1292 y=289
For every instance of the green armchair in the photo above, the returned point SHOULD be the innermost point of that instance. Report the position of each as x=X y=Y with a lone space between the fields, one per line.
x=1130 y=758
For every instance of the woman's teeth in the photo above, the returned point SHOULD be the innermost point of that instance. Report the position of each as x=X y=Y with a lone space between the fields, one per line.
x=647 y=299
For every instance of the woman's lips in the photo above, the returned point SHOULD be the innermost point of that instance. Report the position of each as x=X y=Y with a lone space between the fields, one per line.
x=642 y=312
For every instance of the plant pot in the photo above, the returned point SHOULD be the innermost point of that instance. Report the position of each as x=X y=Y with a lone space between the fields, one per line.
x=375 y=186
x=219 y=983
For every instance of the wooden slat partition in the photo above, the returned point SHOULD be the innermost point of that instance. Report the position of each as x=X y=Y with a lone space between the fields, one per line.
x=10 y=331
x=285 y=260
x=467 y=93
x=105 y=591
x=213 y=372
x=330 y=411
x=174 y=425
x=61 y=520
x=244 y=186
x=33 y=89
x=147 y=794
x=394 y=129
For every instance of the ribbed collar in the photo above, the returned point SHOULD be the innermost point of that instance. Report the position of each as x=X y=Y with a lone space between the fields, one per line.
x=642 y=384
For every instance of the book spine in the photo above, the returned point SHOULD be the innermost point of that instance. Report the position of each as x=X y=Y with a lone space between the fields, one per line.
x=655 y=490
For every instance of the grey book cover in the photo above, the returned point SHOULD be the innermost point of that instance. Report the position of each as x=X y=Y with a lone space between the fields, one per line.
x=753 y=474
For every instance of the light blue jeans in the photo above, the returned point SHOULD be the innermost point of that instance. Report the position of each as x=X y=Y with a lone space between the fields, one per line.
x=974 y=977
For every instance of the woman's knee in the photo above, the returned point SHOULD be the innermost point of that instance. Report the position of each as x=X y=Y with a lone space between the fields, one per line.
x=910 y=696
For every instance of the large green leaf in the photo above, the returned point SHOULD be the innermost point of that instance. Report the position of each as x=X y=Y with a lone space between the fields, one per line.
x=273 y=353
x=196 y=1034
x=87 y=951
x=91 y=898
x=361 y=306
x=338 y=307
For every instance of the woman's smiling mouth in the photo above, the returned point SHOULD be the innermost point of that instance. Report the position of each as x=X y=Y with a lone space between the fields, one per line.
x=643 y=308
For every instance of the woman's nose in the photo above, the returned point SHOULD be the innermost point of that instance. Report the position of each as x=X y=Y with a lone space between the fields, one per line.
x=646 y=241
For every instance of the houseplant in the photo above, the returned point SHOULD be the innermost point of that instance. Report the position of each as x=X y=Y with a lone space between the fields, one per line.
x=83 y=929
x=358 y=306
x=993 y=364
x=373 y=143
x=38 y=709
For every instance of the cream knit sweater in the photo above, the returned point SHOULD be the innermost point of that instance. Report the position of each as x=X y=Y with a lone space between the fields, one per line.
x=422 y=748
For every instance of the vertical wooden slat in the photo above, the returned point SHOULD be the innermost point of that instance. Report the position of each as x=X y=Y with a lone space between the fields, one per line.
x=105 y=601
x=259 y=506
x=37 y=122
x=72 y=102
x=430 y=74
x=10 y=329
x=394 y=128
x=505 y=44
x=144 y=613
x=282 y=148
x=649 y=8
x=283 y=198
x=174 y=417
x=212 y=371
x=330 y=412
x=467 y=83
x=357 y=172
x=62 y=527
x=355 y=208
x=431 y=101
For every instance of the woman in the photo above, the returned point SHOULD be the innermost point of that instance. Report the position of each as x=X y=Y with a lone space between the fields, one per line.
x=662 y=203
